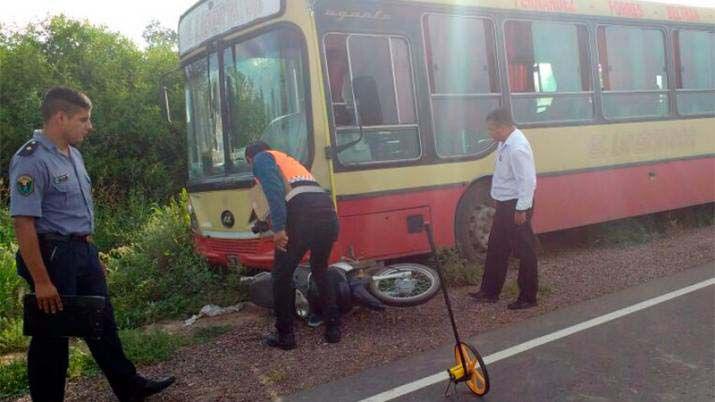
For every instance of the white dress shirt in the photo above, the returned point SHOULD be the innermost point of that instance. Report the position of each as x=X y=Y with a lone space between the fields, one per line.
x=514 y=171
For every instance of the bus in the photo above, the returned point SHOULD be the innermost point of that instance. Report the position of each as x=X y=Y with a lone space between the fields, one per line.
x=385 y=102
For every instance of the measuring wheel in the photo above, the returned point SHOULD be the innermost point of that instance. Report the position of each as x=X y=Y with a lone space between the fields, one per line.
x=475 y=374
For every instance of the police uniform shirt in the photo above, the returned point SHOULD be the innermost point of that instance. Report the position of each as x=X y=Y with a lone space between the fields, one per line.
x=514 y=171
x=52 y=187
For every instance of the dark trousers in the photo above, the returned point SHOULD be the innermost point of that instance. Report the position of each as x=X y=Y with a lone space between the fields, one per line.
x=506 y=238
x=74 y=268
x=312 y=225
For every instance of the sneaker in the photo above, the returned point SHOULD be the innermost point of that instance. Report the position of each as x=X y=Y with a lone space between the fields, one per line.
x=481 y=297
x=332 y=334
x=521 y=305
x=315 y=320
x=281 y=341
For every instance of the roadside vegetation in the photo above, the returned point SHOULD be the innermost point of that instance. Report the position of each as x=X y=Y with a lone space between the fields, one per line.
x=138 y=166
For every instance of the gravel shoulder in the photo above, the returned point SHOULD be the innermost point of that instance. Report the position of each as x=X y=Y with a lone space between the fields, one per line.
x=236 y=367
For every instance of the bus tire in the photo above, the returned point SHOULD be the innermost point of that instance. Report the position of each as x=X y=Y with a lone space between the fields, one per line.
x=473 y=222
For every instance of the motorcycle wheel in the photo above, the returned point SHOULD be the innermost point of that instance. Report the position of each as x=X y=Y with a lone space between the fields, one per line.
x=421 y=285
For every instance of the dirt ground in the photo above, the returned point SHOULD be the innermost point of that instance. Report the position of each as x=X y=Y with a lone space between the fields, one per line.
x=236 y=367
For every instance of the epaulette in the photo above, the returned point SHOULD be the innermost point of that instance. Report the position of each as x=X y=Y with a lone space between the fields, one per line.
x=29 y=148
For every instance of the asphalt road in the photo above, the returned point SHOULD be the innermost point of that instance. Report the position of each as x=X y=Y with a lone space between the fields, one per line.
x=653 y=342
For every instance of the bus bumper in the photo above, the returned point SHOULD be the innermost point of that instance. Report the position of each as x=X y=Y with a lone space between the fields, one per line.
x=255 y=253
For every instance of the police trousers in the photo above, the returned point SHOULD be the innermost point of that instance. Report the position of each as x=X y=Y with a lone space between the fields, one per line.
x=311 y=225
x=507 y=238
x=74 y=268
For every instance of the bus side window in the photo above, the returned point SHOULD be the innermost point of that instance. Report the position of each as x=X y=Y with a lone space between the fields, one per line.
x=632 y=72
x=695 y=71
x=464 y=86
x=550 y=80
x=390 y=128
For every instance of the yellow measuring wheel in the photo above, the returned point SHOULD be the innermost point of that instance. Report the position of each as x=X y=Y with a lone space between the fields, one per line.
x=473 y=371
x=470 y=367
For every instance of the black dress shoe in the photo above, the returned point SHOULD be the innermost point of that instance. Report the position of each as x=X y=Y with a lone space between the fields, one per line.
x=521 y=304
x=147 y=387
x=481 y=297
x=280 y=341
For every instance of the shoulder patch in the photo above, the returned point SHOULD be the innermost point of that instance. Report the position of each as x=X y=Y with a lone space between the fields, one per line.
x=29 y=148
x=25 y=185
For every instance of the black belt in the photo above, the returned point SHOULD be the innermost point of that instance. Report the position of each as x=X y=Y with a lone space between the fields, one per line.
x=63 y=238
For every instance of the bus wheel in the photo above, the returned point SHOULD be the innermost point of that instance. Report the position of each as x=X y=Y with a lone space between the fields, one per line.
x=473 y=223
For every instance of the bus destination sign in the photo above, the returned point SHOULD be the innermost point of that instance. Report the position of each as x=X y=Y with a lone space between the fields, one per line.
x=214 y=17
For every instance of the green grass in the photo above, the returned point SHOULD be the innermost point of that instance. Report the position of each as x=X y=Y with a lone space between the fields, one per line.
x=205 y=334
x=13 y=379
x=150 y=347
x=456 y=270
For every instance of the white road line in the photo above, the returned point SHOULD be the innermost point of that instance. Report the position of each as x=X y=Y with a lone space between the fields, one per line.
x=522 y=347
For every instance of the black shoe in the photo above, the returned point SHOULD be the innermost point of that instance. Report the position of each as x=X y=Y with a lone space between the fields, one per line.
x=315 y=320
x=147 y=387
x=521 y=304
x=332 y=334
x=481 y=297
x=281 y=341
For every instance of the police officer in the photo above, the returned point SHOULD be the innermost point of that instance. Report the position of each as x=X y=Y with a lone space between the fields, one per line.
x=53 y=215
x=303 y=218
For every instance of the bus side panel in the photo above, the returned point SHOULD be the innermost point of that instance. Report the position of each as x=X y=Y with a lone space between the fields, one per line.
x=376 y=227
x=571 y=200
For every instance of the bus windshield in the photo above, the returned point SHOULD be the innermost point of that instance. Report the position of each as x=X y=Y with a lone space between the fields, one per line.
x=265 y=99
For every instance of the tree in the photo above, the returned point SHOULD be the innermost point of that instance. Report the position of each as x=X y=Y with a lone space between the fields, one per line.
x=132 y=148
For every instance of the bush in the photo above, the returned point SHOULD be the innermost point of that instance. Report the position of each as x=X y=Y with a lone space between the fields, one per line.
x=11 y=336
x=11 y=285
x=118 y=221
x=456 y=270
x=159 y=276
x=13 y=379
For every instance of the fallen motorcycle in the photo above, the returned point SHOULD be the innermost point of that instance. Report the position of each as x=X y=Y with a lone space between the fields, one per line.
x=371 y=285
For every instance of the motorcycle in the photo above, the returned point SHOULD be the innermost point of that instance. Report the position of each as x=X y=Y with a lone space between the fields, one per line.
x=368 y=284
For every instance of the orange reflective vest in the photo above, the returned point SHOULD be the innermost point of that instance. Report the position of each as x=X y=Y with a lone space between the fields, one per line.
x=290 y=168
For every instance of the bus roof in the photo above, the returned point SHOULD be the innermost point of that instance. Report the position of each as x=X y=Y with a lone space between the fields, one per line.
x=207 y=19
x=646 y=10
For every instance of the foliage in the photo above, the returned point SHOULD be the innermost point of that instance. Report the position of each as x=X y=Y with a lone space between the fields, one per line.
x=12 y=338
x=13 y=378
x=132 y=147
x=150 y=347
x=456 y=270
x=81 y=362
x=11 y=285
x=159 y=276
x=117 y=225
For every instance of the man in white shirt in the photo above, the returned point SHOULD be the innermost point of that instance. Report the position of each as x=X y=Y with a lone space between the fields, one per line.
x=513 y=186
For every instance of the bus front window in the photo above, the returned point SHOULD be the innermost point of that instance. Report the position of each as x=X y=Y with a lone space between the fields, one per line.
x=266 y=95
x=204 y=125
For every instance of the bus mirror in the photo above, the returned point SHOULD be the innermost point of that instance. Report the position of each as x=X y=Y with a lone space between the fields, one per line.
x=165 y=103
x=367 y=101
